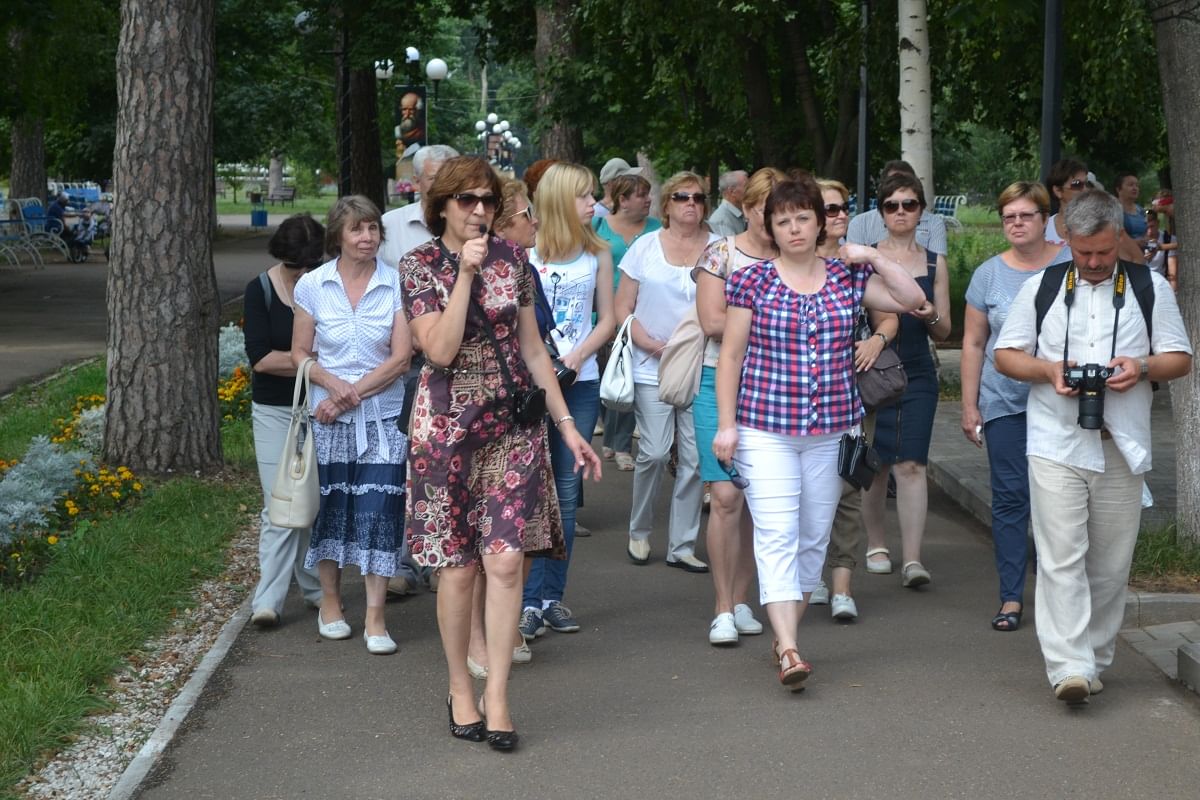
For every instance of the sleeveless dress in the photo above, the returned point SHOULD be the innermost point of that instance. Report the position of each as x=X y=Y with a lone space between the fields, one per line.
x=478 y=481
x=903 y=431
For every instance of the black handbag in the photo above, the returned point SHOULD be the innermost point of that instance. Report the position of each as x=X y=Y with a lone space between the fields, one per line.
x=858 y=463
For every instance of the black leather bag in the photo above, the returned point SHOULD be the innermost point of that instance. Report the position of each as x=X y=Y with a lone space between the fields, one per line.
x=858 y=463
x=884 y=383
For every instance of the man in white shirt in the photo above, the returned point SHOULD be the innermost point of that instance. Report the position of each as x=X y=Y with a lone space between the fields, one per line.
x=404 y=228
x=867 y=226
x=728 y=219
x=1086 y=482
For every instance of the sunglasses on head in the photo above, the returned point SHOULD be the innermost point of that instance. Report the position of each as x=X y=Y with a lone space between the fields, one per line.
x=833 y=209
x=892 y=206
x=468 y=202
x=683 y=197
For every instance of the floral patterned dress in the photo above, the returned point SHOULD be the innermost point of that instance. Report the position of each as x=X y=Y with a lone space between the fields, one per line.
x=478 y=481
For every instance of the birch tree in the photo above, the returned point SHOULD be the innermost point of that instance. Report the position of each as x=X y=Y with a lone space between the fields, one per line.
x=916 y=103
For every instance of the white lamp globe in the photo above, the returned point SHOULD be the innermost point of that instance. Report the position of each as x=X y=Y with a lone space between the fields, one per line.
x=492 y=118
x=480 y=125
x=436 y=69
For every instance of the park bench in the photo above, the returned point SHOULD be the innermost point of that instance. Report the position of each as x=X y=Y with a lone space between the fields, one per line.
x=15 y=245
x=38 y=232
x=284 y=194
x=947 y=205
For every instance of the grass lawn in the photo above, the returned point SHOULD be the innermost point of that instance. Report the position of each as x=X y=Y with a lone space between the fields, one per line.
x=317 y=206
x=113 y=584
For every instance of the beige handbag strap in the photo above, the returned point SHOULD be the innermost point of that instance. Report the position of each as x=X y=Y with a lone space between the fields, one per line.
x=302 y=379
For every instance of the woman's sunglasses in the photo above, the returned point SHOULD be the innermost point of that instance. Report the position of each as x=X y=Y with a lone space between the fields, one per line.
x=892 y=206
x=737 y=480
x=683 y=197
x=468 y=202
x=526 y=212
x=833 y=209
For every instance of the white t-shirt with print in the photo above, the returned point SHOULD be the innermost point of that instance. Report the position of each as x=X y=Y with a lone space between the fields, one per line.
x=571 y=289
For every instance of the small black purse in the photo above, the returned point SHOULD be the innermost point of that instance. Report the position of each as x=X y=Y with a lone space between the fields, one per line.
x=858 y=463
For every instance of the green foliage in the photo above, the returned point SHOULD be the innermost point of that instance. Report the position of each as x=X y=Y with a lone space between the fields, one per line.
x=968 y=249
x=32 y=410
x=1161 y=552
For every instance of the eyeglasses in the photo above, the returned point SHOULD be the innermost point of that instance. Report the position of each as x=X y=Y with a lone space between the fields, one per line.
x=468 y=202
x=734 y=478
x=1078 y=184
x=527 y=212
x=892 y=206
x=683 y=197
x=1019 y=216
x=833 y=209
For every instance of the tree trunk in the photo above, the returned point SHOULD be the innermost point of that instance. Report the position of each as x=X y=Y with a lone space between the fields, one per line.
x=366 y=156
x=555 y=44
x=806 y=92
x=916 y=125
x=163 y=306
x=1178 y=37
x=28 y=177
x=756 y=77
x=275 y=173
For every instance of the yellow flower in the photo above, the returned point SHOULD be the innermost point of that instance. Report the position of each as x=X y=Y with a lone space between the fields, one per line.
x=72 y=511
x=95 y=488
x=115 y=495
x=137 y=487
x=52 y=539
x=15 y=555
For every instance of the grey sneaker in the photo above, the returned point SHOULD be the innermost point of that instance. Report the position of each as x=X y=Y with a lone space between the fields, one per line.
x=819 y=596
x=558 y=617
x=531 y=625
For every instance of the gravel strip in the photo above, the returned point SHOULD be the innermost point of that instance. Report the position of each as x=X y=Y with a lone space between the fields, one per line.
x=142 y=690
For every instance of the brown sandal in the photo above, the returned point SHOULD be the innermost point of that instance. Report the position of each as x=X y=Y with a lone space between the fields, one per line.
x=793 y=670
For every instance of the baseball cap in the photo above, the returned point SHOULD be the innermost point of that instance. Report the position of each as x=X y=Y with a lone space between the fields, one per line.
x=615 y=168
x=1094 y=182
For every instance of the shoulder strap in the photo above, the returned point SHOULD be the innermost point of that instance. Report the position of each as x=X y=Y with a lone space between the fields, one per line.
x=931 y=262
x=1143 y=289
x=265 y=280
x=1052 y=278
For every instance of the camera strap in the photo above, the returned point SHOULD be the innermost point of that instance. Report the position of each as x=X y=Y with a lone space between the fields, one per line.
x=476 y=310
x=1120 y=283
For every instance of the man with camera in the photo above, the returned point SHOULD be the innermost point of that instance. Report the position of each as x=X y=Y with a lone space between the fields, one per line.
x=1091 y=354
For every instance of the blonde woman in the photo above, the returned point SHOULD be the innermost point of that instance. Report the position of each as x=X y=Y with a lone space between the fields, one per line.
x=575 y=269
x=657 y=289
x=730 y=531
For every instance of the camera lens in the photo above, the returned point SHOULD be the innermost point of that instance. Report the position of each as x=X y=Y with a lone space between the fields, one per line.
x=1091 y=409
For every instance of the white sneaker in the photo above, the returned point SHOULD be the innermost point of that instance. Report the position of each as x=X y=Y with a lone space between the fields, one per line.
x=379 y=645
x=522 y=654
x=819 y=595
x=842 y=607
x=338 y=629
x=723 y=630
x=744 y=619
x=264 y=618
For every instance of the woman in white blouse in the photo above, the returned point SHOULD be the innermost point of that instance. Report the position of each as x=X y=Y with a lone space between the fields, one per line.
x=349 y=314
x=657 y=289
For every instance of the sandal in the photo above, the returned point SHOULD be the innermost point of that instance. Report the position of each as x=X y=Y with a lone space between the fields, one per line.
x=624 y=462
x=793 y=670
x=1007 y=620
x=879 y=567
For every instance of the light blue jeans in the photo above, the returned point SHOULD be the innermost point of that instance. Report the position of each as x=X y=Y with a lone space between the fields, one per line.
x=547 y=579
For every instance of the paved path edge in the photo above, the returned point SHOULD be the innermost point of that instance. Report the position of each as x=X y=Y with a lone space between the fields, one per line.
x=147 y=757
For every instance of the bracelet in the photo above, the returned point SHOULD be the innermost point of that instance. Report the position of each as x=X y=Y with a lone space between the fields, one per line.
x=936 y=319
x=882 y=336
x=564 y=419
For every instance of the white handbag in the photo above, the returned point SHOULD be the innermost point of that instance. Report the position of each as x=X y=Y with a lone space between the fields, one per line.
x=296 y=494
x=681 y=361
x=616 y=385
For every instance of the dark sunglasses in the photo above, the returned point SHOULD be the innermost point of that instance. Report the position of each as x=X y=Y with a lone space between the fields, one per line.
x=892 y=206
x=734 y=478
x=683 y=197
x=1078 y=184
x=467 y=201
x=833 y=209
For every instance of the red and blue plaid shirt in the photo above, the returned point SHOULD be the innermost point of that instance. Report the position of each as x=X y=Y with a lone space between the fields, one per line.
x=798 y=376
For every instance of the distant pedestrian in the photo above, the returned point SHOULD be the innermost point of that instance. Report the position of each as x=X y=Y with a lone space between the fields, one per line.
x=728 y=219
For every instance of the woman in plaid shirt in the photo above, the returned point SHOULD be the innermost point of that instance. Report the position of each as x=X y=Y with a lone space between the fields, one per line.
x=786 y=392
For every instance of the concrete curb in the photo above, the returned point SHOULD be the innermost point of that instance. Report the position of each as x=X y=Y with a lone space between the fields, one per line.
x=147 y=757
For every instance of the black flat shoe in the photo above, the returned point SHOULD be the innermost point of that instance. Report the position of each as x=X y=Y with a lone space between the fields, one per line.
x=504 y=741
x=474 y=732
x=1007 y=620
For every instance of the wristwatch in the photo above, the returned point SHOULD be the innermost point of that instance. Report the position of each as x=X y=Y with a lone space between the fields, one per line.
x=1144 y=372
x=883 y=336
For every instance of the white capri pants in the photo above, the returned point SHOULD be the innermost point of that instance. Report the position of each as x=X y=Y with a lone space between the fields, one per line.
x=793 y=494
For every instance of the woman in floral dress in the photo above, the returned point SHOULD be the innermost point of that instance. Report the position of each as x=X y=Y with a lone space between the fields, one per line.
x=480 y=489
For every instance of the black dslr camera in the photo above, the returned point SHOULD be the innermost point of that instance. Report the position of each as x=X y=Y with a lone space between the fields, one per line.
x=1089 y=380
